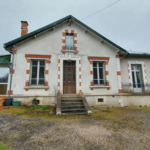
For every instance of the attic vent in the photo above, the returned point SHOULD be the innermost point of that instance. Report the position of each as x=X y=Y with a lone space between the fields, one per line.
x=100 y=100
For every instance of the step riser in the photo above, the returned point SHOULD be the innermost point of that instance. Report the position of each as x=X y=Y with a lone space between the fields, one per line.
x=71 y=107
x=71 y=104
x=74 y=111
x=70 y=98
x=70 y=101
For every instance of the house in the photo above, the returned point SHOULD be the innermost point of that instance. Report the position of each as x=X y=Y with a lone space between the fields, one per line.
x=69 y=57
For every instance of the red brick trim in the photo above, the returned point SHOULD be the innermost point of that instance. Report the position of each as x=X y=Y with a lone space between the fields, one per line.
x=118 y=72
x=72 y=31
x=63 y=41
x=75 y=48
x=58 y=60
x=120 y=91
x=128 y=71
x=91 y=62
x=107 y=72
x=11 y=92
x=79 y=83
x=46 y=71
x=37 y=56
x=75 y=34
x=27 y=71
x=92 y=84
x=129 y=77
x=63 y=34
x=28 y=60
x=59 y=76
x=58 y=83
x=46 y=83
x=91 y=72
x=128 y=65
x=75 y=41
x=14 y=51
x=79 y=68
x=79 y=61
x=98 y=58
x=58 y=68
x=107 y=83
x=79 y=76
x=13 y=72
x=27 y=84
x=117 y=56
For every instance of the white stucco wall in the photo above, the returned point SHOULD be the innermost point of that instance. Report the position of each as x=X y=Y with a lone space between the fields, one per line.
x=50 y=43
x=88 y=45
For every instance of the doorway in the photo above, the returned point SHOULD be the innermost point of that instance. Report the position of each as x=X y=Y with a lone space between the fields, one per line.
x=69 y=77
x=137 y=78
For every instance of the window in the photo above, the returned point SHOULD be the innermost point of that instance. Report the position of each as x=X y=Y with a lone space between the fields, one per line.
x=99 y=73
x=37 y=72
x=69 y=42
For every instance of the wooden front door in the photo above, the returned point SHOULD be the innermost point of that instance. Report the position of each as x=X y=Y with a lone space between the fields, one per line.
x=69 y=77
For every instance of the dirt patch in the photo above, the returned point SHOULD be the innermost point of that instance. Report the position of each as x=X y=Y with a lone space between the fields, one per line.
x=119 y=128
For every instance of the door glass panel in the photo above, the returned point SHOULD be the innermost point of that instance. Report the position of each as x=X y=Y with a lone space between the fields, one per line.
x=34 y=62
x=33 y=81
x=69 y=74
x=73 y=74
x=100 y=64
x=71 y=42
x=94 y=64
x=132 y=67
x=133 y=78
x=42 y=63
x=101 y=81
x=138 y=79
x=41 y=82
x=95 y=73
x=41 y=72
x=101 y=76
x=95 y=82
x=67 y=42
x=64 y=74
x=34 y=72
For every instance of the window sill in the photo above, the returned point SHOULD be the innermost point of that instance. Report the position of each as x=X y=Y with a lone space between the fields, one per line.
x=99 y=86
x=36 y=87
x=70 y=51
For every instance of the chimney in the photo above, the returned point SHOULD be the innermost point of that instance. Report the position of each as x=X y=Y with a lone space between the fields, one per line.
x=24 y=28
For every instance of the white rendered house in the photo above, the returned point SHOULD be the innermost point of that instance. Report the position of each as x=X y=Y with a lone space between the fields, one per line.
x=71 y=58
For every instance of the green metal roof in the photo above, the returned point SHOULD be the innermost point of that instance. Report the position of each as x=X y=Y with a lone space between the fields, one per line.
x=5 y=59
x=31 y=34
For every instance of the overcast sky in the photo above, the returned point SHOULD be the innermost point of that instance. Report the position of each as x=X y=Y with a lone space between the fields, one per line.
x=127 y=23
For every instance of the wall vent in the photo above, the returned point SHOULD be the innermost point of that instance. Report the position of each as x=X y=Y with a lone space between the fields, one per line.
x=100 y=100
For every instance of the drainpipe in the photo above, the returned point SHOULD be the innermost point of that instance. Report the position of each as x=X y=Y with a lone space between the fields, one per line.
x=11 y=70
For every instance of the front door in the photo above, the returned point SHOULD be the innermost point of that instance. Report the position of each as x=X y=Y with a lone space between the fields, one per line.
x=137 y=78
x=69 y=77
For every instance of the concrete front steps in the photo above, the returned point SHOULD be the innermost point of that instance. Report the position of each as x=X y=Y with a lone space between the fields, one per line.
x=72 y=104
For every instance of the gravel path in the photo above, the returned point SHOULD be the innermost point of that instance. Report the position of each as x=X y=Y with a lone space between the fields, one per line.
x=130 y=132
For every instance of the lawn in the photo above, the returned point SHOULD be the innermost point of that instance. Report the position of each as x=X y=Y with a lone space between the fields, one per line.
x=28 y=128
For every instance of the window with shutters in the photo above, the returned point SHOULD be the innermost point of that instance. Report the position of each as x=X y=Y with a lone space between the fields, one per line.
x=69 y=41
x=37 y=72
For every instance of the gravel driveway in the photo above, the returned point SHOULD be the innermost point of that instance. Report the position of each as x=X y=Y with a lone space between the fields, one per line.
x=129 y=130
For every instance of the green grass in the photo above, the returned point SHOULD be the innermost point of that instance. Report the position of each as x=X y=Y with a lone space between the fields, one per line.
x=4 y=147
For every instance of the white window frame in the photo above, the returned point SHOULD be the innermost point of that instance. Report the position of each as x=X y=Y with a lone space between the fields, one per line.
x=71 y=47
x=38 y=68
x=98 y=72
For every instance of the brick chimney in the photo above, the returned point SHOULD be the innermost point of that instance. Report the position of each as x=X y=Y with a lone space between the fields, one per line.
x=24 y=28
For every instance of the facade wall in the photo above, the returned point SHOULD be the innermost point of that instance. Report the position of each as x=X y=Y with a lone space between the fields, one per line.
x=88 y=45
x=124 y=67
x=50 y=43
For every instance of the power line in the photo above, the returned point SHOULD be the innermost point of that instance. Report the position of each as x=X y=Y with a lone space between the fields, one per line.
x=101 y=10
